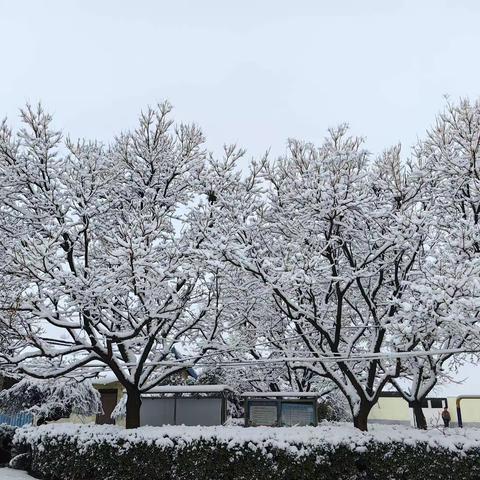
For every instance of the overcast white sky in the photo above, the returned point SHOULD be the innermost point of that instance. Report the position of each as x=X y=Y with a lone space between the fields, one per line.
x=252 y=72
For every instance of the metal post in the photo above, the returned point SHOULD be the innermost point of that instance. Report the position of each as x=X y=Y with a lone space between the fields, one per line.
x=279 y=412
x=175 y=409
x=459 y=413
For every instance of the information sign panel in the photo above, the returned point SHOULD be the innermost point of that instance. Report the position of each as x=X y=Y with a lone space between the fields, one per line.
x=263 y=413
x=300 y=414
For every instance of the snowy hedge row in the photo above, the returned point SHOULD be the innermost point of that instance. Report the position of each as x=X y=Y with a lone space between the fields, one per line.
x=330 y=452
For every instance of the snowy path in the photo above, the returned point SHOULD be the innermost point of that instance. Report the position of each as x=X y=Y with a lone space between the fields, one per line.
x=9 y=474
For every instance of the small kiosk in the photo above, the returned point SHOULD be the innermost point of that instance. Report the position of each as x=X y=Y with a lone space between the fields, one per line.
x=185 y=405
x=280 y=409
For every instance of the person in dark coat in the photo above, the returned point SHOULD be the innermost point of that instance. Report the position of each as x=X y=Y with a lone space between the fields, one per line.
x=446 y=417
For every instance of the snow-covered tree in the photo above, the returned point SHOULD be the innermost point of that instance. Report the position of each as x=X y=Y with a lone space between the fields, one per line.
x=444 y=315
x=337 y=241
x=11 y=333
x=448 y=316
x=255 y=337
x=321 y=267
x=51 y=399
x=96 y=245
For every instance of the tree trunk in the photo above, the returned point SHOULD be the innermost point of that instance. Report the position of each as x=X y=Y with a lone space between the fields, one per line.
x=360 y=420
x=420 y=420
x=134 y=403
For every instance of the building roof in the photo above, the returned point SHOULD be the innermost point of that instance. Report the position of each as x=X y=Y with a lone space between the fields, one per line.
x=281 y=394
x=105 y=378
x=190 y=389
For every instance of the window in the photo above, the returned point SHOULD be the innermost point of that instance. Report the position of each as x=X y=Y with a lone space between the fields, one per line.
x=436 y=403
x=424 y=404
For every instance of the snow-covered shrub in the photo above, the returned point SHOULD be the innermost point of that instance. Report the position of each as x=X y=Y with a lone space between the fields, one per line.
x=328 y=452
x=19 y=453
x=6 y=438
x=21 y=461
x=6 y=432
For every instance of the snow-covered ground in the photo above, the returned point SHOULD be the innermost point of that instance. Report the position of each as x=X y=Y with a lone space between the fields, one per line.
x=9 y=474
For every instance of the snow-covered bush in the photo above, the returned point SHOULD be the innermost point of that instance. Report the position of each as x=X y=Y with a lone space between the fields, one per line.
x=6 y=432
x=328 y=452
x=6 y=438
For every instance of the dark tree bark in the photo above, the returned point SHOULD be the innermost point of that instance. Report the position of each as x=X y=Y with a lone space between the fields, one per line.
x=420 y=420
x=360 y=420
x=134 y=402
x=416 y=404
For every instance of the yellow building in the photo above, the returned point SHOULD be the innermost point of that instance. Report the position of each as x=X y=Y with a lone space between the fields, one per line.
x=111 y=393
x=393 y=409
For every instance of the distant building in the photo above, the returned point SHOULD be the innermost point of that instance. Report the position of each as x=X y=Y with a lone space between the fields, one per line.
x=391 y=408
